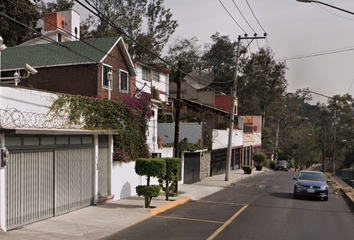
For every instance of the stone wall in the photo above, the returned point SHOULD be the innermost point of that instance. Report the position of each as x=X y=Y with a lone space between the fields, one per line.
x=205 y=165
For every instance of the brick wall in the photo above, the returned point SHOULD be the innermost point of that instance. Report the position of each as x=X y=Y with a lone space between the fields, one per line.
x=54 y=21
x=76 y=79
x=83 y=80
x=116 y=60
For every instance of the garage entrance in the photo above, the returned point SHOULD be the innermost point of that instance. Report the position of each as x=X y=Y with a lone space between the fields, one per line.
x=47 y=176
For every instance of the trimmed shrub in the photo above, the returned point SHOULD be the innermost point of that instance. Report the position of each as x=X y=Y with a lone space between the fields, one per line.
x=149 y=167
x=259 y=167
x=259 y=158
x=151 y=190
x=247 y=169
x=272 y=164
x=173 y=166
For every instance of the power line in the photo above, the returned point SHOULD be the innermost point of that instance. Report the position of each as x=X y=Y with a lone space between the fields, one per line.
x=232 y=16
x=334 y=13
x=243 y=16
x=328 y=52
x=53 y=41
x=255 y=16
x=98 y=14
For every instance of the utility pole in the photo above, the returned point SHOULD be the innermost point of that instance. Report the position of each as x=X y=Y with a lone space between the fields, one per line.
x=178 y=110
x=232 y=112
x=324 y=150
x=178 y=113
x=334 y=138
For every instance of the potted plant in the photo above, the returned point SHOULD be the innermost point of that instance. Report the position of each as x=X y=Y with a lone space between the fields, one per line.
x=259 y=158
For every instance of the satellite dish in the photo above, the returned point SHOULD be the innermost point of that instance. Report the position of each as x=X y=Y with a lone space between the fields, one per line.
x=199 y=79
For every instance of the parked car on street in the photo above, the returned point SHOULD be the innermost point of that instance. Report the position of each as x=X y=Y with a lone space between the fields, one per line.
x=281 y=165
x=311 y=183
x=351 y=183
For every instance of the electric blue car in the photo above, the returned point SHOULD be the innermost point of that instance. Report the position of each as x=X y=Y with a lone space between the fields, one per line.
x=311 y=183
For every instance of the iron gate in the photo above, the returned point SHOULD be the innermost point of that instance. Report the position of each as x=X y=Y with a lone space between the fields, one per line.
x=191 y=168
x=218 y=161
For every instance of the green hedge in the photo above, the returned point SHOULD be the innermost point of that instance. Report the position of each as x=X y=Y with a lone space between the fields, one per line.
x=272 y=164
x=259 y=167
x=247 y=169
x=259 y=158
x=151 y=167
x=151 y=191
x=168 y=181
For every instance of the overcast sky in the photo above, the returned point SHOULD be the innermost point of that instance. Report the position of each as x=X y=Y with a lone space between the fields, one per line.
x=294 y=29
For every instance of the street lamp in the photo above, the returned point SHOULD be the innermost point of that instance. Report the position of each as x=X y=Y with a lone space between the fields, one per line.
x=311 y=1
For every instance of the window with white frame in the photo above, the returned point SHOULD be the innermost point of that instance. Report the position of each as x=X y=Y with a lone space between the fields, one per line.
x=105 y=82
x=155 y=76
x=123 y=81
x=146 y=74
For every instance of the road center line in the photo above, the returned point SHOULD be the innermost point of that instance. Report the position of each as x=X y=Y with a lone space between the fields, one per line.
x=191 y=219
x=226 y=223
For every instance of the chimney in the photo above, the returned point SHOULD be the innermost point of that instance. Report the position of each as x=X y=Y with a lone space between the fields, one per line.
x=54 y=21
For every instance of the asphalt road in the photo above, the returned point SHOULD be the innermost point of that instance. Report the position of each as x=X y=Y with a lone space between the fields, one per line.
x=258 y=207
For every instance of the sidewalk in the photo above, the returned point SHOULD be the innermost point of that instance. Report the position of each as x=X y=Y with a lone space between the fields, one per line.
x=96 y=222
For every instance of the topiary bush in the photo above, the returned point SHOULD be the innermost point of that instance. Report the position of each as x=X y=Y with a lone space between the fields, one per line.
x=259 y=158
x=259 y=167
x=247 y=169
x=173 y=166
x=151 y=190
x=149 y=167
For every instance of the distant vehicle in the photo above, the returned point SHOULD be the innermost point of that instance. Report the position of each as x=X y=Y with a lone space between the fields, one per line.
x=351 y=183
x=311 y=183
x=281 y=165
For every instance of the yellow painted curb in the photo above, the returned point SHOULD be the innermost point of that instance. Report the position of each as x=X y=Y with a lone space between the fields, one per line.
x=168 y=206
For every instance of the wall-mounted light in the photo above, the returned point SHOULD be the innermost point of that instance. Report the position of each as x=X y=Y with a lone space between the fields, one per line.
x=17 y=78
x=109 y=77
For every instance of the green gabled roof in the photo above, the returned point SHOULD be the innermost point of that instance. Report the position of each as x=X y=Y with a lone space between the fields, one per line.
x=56 y=54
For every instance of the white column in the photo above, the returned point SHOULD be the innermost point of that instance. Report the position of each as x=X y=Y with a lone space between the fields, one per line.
x=95 y=144
x=2 y=190
x=110 y=165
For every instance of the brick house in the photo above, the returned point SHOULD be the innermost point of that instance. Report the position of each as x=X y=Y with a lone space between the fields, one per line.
x=76 y=67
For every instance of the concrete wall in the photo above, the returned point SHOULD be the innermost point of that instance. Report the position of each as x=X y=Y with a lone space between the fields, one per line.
x=221 y=138
x=192 y=131
x=26 y=100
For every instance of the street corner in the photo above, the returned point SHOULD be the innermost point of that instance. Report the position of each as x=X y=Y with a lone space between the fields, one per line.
x=169 y=205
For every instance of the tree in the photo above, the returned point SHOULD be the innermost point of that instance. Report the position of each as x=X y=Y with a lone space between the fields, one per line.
x=23 y=11
x=167 y=182
x=341 y=107
x=259 y=158
x=126 y=18
x=153 y=167
x=261 y=85
x=160 y=23
x=189 y=52
x=220 y=59
x=49 y=7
